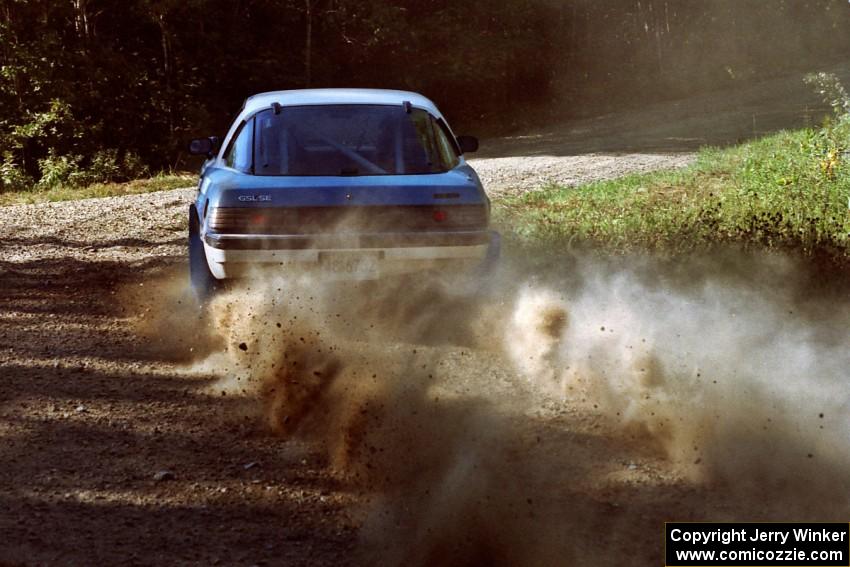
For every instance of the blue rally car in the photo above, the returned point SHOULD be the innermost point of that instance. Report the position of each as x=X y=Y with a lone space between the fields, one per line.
x=348 y=183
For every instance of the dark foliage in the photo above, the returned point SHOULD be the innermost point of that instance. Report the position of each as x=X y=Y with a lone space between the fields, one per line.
x=116 y=88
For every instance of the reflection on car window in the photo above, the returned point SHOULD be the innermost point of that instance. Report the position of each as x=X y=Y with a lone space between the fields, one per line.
x=350 y=140
x=444 y=145
x=238 y=155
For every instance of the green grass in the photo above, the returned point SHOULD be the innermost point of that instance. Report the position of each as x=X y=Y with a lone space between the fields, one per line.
x=158 y=183
x=786 y=191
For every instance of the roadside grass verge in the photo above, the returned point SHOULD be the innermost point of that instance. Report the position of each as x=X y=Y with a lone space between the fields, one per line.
x=787 y=191
x=147 y=185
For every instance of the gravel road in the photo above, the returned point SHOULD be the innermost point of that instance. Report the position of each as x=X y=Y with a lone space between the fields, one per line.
x=139 y=227
x=120 y=444
x=97 y=398
x=512 y=176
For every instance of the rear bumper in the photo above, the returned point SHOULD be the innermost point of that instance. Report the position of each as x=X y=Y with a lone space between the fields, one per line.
x=346 y=241
x=237 y=255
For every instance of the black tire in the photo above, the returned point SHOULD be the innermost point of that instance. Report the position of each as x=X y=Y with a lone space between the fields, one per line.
x=203 y=283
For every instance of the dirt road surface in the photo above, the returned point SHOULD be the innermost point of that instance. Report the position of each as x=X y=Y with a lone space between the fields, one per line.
x=119 y=445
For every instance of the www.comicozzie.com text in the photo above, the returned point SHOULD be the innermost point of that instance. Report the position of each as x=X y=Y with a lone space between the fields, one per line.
x=781 y=536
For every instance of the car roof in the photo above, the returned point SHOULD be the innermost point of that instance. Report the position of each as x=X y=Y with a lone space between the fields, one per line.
x=307 y=97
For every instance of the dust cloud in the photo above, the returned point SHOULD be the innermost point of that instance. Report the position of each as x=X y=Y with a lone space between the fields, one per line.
x=488 y=429
x=737 y=388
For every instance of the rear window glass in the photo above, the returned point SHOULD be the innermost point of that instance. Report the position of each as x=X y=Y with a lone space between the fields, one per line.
x=350 y=140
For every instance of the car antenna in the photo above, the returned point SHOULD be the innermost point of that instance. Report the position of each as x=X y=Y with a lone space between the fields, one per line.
x=276 y=107
x=408 y=108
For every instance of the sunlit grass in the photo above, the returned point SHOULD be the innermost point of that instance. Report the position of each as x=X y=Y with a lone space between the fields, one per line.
x=786 y=191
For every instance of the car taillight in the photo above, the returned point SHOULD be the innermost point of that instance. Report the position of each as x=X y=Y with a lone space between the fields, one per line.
x=440 y=216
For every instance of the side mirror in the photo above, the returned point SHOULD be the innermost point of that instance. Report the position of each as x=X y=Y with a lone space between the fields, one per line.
x=204 y=146
x=468 y=144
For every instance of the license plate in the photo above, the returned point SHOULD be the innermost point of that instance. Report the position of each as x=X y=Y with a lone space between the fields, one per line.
x=354 y=265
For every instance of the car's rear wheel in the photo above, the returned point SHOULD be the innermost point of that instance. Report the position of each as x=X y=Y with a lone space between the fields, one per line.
x=201 y=279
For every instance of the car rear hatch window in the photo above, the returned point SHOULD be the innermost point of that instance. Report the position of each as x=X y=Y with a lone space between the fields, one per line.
x=350 y=140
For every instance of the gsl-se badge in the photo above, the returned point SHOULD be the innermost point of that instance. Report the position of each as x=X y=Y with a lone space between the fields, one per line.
x=254 y=198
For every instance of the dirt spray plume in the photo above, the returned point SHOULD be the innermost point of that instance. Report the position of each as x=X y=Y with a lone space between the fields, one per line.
x=736 y=389
x=553 y=420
